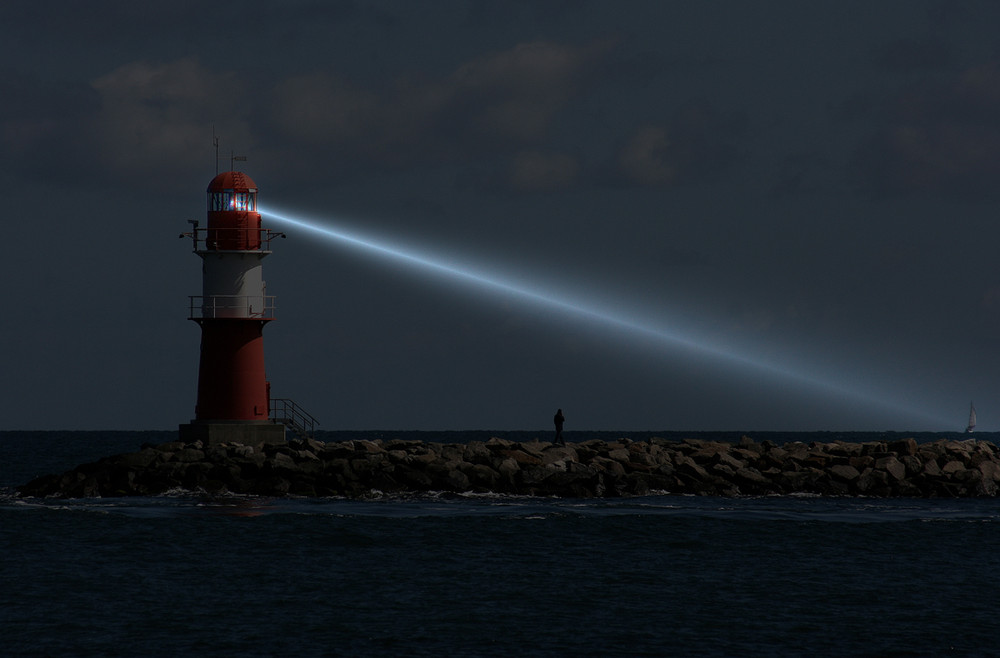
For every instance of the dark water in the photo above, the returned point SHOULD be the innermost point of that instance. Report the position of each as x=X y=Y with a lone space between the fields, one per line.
x=486 y=575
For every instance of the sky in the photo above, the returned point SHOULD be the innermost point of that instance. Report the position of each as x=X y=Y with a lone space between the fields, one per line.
x=717 y=215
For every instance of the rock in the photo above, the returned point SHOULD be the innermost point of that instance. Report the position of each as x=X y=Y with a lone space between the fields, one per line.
x=483 y=477
x=708 y=451
x=609 y=466
x=845 y=472
x=397 y=456
x=243 y=451
x=730 y=461
x=953 y=467
x=892 y=466
x=749 y=456
x=723 y=470
x=842 y=449
x=907 y=488
x=861 y=462
x=816 y=458
x=522 y=457
x=752 y=476
x=508 y=467
x=477 y=453
x=416 y=480
x=139 y=460
x=913 y=465
x=690 y=468
x=621 y=455
x=985 y=487
x=797 y=481
x=591 y=468
x=558 y=453
x=370 y=446
x=903 y=447
x=990 y=470
x=189 y=455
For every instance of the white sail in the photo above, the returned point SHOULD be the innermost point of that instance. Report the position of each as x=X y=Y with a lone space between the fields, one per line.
x=972 y=419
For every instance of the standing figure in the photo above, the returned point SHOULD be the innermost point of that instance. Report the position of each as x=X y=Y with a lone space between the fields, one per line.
x=558 y=419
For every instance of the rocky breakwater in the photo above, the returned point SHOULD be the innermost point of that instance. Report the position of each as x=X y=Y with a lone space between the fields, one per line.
x=588 y=469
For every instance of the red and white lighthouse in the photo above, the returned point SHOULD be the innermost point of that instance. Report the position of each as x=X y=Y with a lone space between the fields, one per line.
x=233 y=391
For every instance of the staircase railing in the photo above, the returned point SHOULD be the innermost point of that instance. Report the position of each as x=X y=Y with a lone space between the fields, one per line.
x=293 y=416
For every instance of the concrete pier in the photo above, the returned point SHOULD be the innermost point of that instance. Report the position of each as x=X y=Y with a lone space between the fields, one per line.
x=251 y=433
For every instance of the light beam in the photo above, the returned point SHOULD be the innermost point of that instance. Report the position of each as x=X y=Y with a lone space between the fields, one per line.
x=674 y=338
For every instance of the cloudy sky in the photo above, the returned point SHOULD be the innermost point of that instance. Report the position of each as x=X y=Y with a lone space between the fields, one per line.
x=718 y=215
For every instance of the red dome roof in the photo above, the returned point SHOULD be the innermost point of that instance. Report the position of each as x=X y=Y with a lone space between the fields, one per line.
x=232 y=180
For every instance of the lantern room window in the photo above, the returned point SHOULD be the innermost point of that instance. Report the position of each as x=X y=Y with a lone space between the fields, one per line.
x=232 y=200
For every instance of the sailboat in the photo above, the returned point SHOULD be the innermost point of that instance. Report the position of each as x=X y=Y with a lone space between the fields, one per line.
x=972 y=419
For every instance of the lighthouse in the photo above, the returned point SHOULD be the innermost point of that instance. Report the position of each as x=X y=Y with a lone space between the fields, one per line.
x=233 y=402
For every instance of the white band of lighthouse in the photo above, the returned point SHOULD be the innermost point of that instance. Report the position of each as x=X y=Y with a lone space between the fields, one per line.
x=232 y=286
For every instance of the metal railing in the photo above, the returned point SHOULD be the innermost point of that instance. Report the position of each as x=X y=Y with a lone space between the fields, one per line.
x=259 y=307
x=293 y=416
x=231 y=239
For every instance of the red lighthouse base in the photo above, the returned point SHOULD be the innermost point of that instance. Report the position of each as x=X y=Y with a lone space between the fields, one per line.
x=233 y=399
x=231 y=380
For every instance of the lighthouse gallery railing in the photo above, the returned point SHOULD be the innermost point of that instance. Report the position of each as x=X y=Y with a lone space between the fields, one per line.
x=231 y=306
x=207 y=240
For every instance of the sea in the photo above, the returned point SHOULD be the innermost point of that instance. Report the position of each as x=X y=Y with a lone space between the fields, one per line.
x=186 y=574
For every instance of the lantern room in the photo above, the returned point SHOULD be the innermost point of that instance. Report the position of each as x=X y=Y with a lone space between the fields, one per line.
x=232 y=190
x=233 y=220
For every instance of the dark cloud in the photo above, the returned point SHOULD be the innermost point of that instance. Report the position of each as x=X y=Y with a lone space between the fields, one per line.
x=542 y=171
x=938 y=137
x=139 y=121
x=915 y=54
x=540 y=14
x=805 y=174
x=41 y=121
x=145 y=118
x=496 y=103
x=696 y=143
x=153 y=117
x=693 y=165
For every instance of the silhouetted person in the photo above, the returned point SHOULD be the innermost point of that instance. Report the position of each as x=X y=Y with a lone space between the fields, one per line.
x=559 y=419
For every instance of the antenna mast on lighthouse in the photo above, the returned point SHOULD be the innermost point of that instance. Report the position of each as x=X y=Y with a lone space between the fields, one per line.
x=215 y=143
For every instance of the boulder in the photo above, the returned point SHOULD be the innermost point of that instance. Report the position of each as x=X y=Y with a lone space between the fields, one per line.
x=522 y=457
x=903 y=447
x=753 y=477
x=892 y=466
x=139 y=460
x=952 y=467
x=931 y=469
x=621 y=455
x=913 y=465
x=591 y=468
x=557 y=453
x=845 y=472
x=456 y=480
x=990 y=470
x=687 y=466
x=189 y=455
x=732 y=462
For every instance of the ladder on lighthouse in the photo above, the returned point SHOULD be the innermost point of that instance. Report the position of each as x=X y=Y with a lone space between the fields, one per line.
x=293 y=417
